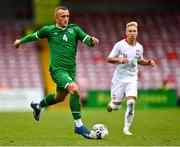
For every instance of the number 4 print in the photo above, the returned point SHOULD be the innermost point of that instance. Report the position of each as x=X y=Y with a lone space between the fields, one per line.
x=65 y=37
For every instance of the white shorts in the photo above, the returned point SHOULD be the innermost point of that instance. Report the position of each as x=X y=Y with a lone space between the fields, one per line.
x=119 y=90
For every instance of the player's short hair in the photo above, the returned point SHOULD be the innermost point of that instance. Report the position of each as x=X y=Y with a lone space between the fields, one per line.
x=132 y=23
x=58 y=8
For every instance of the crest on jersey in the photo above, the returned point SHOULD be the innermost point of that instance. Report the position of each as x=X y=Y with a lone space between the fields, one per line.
x=71 y=31
x=69 y=78
x=137 y=52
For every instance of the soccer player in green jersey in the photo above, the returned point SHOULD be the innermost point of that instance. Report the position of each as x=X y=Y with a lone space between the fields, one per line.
x=62 y=40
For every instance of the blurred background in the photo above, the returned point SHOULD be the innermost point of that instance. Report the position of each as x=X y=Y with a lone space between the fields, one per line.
x=24 y=72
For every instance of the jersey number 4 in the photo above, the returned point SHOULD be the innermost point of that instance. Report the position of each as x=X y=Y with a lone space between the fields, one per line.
x=65 y=37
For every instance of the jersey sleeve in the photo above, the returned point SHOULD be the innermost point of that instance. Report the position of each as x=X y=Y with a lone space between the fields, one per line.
x=115 y=51
x=83 y=36
x=43 y=32
x=28 y=38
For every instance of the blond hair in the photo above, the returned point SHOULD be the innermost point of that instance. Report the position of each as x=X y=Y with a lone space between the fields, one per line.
x=58 y=8
x=132 y=23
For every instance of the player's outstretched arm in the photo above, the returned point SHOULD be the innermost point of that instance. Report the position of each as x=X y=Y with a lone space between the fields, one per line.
x=25 y=39
x=145 y=62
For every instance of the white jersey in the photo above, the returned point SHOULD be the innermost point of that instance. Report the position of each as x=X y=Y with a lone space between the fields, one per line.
x=128 y=71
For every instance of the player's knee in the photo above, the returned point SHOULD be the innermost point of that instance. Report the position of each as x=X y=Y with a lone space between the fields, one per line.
x=73 y=89
x=75 y=92
x=115 y=106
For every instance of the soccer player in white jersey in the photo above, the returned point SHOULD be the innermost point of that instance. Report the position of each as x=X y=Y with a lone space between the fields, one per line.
x=127 y=54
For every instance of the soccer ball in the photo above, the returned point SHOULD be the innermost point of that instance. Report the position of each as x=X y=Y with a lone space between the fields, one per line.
x=99 y=131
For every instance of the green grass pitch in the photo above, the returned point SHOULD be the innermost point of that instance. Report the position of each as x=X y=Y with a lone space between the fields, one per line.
x=151 y=127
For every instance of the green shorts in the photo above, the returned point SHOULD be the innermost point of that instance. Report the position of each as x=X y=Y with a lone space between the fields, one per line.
x=62 y=78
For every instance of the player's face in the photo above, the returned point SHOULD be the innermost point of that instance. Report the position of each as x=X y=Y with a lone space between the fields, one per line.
x=62 y=18
x=131 y=32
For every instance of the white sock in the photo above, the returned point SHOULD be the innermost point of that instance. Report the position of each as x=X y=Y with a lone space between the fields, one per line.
x=78 y=123
x=114 y=107
x=129 y=115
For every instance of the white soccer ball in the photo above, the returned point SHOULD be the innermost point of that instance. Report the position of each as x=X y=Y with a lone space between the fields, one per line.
x=99 y=131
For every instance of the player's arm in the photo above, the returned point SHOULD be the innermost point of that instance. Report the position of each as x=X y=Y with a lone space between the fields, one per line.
x=114 y=56
x=117 y=60
x=146 y=62
x=27 y=38
x=43 y=32
x=88 y=40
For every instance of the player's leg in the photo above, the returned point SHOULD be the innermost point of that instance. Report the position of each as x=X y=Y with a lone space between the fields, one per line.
x=117 y=93
x=52 y=98
x=131 y=94
x=75 y=107
x=49 y=100
x=65 y=80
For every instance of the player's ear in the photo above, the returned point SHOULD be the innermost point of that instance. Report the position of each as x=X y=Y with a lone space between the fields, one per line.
x=56 y=18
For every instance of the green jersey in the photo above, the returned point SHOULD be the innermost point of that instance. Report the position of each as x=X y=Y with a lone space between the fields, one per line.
x=63 y=44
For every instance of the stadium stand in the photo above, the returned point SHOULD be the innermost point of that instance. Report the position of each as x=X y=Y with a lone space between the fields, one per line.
x=157 y=32
x=19 y=68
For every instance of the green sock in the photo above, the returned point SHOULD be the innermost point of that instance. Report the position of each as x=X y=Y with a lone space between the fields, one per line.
x=75 y=107
x=48 y=100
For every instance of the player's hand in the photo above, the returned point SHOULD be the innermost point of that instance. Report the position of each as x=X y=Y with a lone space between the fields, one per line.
x=16 y=43
x=151 y=62
x=123 y=60
x=95 y=40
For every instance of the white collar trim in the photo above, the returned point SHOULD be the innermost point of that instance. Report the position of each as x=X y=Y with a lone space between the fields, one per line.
x=60 y=27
